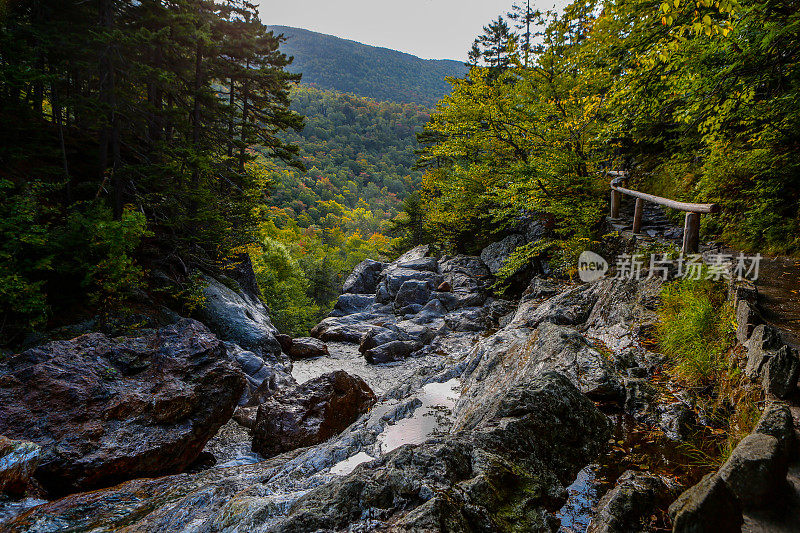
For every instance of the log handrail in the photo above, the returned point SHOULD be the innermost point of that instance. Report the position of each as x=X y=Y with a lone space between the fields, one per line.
x=666 y=202
x=691 y=230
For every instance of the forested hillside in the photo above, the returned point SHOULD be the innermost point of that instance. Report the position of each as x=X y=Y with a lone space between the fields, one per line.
x=359 y=156
x=388 y=75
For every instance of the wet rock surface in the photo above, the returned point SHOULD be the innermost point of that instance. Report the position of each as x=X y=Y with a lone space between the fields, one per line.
x=483 y=418
x=18 y=462
x=238 y=316
x=310 y=413
x=104 y=410
x=307 y=347
x=631 y=503
x=416 y=299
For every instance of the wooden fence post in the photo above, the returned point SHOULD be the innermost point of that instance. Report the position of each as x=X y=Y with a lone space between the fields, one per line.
x=691 y=233
x=615 y=199
x=637 y=216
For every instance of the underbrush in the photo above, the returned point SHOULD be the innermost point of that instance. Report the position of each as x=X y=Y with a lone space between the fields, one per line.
x=696 y=330
x=697 y=333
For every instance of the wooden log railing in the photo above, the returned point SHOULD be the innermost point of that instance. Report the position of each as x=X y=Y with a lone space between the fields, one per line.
x=691 y=229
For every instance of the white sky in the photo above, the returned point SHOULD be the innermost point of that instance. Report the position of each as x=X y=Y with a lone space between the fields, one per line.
x=431 y=29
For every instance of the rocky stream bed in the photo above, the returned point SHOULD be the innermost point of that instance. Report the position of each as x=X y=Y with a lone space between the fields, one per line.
x=424 y=402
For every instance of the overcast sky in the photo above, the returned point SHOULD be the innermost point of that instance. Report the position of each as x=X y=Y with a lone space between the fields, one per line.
x=432 y=29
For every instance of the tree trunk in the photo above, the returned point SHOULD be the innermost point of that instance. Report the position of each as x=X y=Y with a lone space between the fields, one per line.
x=110 y=132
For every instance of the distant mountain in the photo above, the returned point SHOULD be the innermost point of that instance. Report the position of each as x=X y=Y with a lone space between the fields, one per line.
x=348 y=66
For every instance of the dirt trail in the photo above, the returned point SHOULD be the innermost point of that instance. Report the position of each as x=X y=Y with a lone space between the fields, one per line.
x=779 y=293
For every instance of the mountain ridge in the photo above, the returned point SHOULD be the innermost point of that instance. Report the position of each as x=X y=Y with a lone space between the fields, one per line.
x=345 y=65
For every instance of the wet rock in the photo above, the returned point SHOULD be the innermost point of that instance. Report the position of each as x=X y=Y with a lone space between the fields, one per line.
x=468 y=319
x=566 y=351
x=422 y=332
x=540 y=288
x=571 y=307
x=639 y=397
x=777 y=421
x=418 y=252
x=475 y=479
x=459 y=299
x=18 y=462
x=239 y=317
x=378 y=336
x=756 y=470
x=497 y=308
x=625 y=301
x=348 y=304
x=628 y=506
x=391 y=351
x=468 y=265
x=496 y=254
x=171 y=503
x=780 y=372
x=444 y=287
x=676 y=420
x=760 y=346
x=430 y=264
x=746 y=320
x=310 y=413
x=104 y=410
x=399 y=276
x=285 y=341
x=708 y=507
x=432 y=311
x=307 y=347
x=349 y=328
x=246 y=416
x=259 y=373
x=382 y=295
x=364 y=278
x=413 y=292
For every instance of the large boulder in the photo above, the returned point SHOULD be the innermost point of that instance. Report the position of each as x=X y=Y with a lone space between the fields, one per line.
x=348 y=304
x=307 y=348
x=391 y=352
x=760 y=347
x=364 y=278
x=260 y=374
x=413 y=292
x=708 y=507
x=496 y=254
x=349 y=328
x=397 y=277
x=310 y=413
x=18 y=462
x=569 y=308
x=756 y=470
x=239 y=317
x=105 y=410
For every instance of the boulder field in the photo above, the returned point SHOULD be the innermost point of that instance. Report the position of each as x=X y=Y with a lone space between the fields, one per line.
x=490 y=414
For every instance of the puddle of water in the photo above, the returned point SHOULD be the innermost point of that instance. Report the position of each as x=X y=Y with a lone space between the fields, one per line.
x=584 y=493
x=433 y=417
x=633 y=447
x=342 y=468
